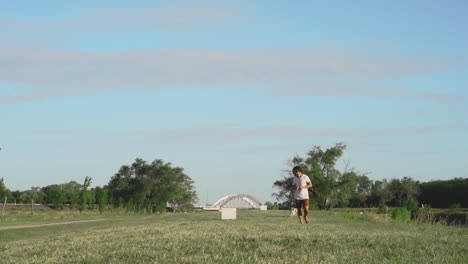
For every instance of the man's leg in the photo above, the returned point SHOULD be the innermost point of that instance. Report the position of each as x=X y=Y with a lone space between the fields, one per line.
x=299 y=211
x=306 y=210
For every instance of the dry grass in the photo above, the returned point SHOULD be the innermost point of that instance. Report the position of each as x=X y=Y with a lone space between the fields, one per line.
x=256 y=237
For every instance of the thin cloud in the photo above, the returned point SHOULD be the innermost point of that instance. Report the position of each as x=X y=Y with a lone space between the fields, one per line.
x=421 y=153
x=280 y=72
x=184 y=16
x=335 y=88
x=227 y=133
x=173 y=16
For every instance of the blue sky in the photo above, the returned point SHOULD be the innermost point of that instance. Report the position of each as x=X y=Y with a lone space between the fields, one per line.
x=231 y=90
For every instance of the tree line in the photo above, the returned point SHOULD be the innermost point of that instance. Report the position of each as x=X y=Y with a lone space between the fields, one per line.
x=141 y=186
x=334 y=188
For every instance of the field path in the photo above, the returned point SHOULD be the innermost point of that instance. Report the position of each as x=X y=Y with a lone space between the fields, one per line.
x=48 y=224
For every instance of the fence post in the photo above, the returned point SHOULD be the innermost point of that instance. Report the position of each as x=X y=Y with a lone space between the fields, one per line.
x=4 y=204
x=32 y=205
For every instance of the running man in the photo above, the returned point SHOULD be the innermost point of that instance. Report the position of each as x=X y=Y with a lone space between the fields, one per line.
x=301 y=195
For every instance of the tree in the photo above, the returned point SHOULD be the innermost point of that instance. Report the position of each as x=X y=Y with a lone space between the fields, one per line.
x=403 y=190
x=272 y=206
x=35 y=193
x=320 y=167
x=71 y=191
x=101 y=198
x=84 y=194
x=4 y=192
x=444 y=193
x=346 y=185
x=54 y=195
x=15 y=195
x=151 y=186
x=379 y=194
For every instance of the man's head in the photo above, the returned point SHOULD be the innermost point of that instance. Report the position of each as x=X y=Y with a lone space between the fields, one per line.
x=297 y=171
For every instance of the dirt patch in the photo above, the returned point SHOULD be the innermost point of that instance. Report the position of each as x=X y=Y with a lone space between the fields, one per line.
x=48 y=224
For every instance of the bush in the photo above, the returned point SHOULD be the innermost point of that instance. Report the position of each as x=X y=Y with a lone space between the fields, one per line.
x=401 y=214
x=412 y=206
x=272 y=206
x=382 y=209
x=454 y=209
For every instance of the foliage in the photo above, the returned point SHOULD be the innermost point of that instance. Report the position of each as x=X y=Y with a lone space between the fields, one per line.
x=272 y=206
x=319 y=165
x=333 y=188
x=84 y=194
x=382 y=209
x=4 y=192
x=151 y=186
x=442 y=194
x=101 y=198
x=412 y=206
x=401 y=214
x=34 y=194
x=72 y=193
x=454 y=209
x=54 y=195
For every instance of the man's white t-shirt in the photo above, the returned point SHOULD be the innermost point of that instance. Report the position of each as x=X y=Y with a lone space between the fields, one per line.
x=301 y=181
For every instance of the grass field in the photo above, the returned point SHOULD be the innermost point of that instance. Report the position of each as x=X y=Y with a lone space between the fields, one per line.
x=255 y=237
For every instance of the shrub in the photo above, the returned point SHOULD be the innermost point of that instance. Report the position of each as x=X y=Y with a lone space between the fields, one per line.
x=454 y=209
x=272 y=206
x=382 y=209
x=412 y=206
x=351 y=216
x=401 y=214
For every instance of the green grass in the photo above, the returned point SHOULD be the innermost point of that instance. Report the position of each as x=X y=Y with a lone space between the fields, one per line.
x=255 y=237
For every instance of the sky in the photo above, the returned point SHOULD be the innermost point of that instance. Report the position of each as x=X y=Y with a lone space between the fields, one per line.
x=231 y=90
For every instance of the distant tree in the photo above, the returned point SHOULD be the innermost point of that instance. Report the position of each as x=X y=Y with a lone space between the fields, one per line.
x=101 y=198
x=54 y=195
x=35 y=193
x=84 y=194
x=346 y=186
x=4 y=192
x=403 y=190
x=285 y=193
x=272 y=206
x=379 y=194
x=410 y=189
x=142 y=185
x=92 y=198
x=444 y=193
x=319 y=165
x=15 y=195
x=72 y=192
x=360 y=194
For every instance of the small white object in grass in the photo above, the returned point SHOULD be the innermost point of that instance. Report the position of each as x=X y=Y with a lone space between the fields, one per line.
x=361 y=213
x=263 y=207
x=228 y=213
x=293 y=211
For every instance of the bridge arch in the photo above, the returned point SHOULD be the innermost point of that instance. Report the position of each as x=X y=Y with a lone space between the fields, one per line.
x=235 y=201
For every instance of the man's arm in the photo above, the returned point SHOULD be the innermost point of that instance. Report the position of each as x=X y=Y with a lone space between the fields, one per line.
x=308 y=185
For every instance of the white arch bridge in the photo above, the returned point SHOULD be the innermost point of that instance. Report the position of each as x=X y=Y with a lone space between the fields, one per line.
x=235 y=201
